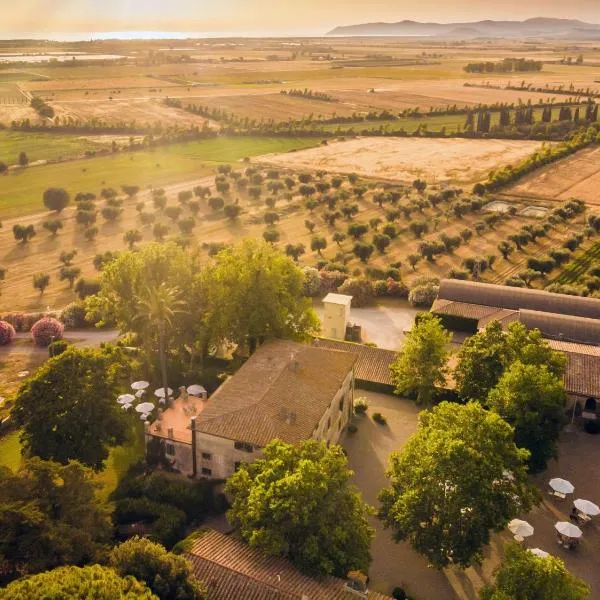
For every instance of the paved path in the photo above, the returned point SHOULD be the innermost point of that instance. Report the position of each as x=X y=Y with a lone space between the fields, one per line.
x=82 y=338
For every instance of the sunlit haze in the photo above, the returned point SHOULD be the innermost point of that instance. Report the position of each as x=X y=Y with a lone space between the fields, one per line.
x=265 y=17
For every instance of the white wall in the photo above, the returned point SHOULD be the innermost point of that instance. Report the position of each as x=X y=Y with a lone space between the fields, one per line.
x=335 y=319
x=334 y=420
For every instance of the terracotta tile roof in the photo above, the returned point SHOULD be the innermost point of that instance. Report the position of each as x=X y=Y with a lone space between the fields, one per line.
x=487 y=294
x=582 y=376
x=232 y=570
x=373 y=364
x=572 y=347
x=282 y=391
x=464 y=309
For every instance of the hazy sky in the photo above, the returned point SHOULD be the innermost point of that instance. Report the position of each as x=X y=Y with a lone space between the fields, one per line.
x=267 y=16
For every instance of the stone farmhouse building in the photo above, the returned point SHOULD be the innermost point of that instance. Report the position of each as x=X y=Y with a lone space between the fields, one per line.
x=285 y=390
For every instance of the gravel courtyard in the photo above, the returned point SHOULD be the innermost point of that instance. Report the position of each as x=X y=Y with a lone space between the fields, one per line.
x=398 y=565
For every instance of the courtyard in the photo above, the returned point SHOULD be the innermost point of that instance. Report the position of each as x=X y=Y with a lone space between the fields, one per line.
x=398 y=565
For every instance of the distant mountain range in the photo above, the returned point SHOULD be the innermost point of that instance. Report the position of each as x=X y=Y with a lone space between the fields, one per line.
x=539 y=27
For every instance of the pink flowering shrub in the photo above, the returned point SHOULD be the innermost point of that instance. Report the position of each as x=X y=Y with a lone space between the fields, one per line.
x=46 y=330
x=16 y=319
x=7 y=333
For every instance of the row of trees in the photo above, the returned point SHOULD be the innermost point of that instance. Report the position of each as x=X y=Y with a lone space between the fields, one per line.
x=481 y=121
x=508 y=65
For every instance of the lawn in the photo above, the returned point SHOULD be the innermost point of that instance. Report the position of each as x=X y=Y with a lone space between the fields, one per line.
x=21 y=191
x=119 y=459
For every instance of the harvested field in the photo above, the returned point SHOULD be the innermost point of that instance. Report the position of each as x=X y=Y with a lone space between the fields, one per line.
x=577 y=176
x=277 y=106
x=142 y=111
x=111 y=83
x=17 y=112
x=406 y=159
x=11 y=94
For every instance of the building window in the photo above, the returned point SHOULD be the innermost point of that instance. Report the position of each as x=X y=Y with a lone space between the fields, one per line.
x=206 y=471
x=207 y=456
x=243 y=446
x=170 y=449
x=329 y=423
x=342 y=403
x=236 y=465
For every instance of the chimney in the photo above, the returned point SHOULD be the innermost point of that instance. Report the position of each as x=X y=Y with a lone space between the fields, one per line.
x=194 y=457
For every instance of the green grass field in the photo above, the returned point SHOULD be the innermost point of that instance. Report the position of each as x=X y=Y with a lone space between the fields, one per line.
x=43 y=146
x=118 y=462
x=21 y=191
x=10 y=451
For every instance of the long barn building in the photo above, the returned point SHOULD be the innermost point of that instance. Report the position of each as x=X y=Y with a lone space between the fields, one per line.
x=570 y=324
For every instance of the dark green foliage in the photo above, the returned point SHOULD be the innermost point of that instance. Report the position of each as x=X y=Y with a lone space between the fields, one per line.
x=49 y=516
x=297 y=502
x=168 y=576
x=73 y=392
x=56 y=199
x=83 y=583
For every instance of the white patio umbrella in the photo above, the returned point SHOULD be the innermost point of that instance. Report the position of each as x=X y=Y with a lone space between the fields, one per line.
x=196 y=390
x=139 y=385
x=144 y=407
x=126 y=406
x=587 y=507
x=562 y=486
x=160 y=392
x=140 y=393
x=568 y=529
x=521 y=529
x=538 y=552
x=125 y=398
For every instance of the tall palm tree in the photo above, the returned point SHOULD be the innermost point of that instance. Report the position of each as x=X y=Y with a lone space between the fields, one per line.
x=157 y=307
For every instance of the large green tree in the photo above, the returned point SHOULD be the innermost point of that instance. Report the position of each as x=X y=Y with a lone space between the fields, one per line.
x=158 y=308
x=458 y=478
x=420 y=366
x=67 y=410
x=532 y=399
x=297 y=502
x=255 y=292
x=524 y=576
x=80 y=583
x=167 y=575
x=137 y=287
x=485 y=356
x=50 y=516
x=481 y=362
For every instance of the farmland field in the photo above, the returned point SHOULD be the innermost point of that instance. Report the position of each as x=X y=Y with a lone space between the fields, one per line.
x=11 y=94
x=21 y=191
x=577 y=176
x=292 y=211
x=47 y=146
x=406 y=159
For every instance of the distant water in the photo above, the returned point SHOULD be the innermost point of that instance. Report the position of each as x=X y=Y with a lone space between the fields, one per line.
x=138 y=35
x=49 y=56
